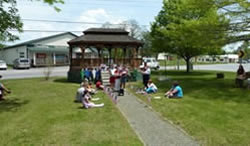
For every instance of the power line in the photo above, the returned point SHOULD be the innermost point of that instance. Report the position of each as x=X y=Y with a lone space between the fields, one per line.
x=63 y=21
x=77 y=22
x=33 y=30
x=105 y=4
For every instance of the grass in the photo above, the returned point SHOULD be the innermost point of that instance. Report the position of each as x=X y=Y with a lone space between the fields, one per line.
x=39 y=112
x=213 y=111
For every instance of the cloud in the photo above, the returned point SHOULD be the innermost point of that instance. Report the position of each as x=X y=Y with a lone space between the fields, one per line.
x=98 y=16
x=41 y=11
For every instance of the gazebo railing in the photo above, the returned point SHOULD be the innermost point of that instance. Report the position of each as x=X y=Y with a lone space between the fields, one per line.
x=95 y=62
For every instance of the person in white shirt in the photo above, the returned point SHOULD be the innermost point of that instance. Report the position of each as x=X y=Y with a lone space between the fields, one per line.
x=112 y=77
x=80 y=92
x=145 y=74
x=151 y=87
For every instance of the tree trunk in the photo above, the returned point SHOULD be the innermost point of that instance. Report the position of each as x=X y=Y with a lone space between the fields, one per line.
x=188 y=64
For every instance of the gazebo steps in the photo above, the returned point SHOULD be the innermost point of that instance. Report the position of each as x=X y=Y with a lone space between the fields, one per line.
x=105 y=78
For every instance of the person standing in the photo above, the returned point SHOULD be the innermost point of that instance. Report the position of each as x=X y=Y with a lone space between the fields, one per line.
x=145 y=74
x=124 y=74
x=2 y=90
x=117 y=79
x=112 y=77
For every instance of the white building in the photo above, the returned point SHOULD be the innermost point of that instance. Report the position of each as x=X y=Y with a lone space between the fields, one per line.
x=227 y=58
x=52 y=49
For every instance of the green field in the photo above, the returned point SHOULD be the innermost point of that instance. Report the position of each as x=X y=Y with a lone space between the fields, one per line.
x=213 y=111
x=39 y=112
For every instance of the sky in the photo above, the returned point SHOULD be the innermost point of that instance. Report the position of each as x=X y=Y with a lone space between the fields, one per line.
x=91 y=11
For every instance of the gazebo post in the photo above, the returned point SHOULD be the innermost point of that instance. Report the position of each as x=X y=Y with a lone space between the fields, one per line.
x=70 y=56
x=124 y=56
x=99 y=55
x=115 y=60
x=136 y=56
x=110 y=56
x=83 y=53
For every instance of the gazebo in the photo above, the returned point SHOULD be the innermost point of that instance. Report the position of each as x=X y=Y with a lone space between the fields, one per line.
x=102 y=46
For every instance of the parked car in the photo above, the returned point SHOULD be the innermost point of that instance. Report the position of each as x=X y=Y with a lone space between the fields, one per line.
x=21 y=63
x=3 y=65
x=151 y=62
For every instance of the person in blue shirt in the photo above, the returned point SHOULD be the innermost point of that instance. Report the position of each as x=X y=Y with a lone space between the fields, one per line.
x=175 y=91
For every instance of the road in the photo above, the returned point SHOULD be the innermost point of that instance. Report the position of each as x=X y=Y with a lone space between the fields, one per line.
x=33 y=72
x=62 y=71
x=213 y=67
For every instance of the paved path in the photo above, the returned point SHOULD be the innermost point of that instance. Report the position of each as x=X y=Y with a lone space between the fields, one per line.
x=152 y=130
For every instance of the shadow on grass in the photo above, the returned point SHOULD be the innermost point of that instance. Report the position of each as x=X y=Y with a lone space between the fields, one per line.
x=211 y=89
x=182 y=73
x=12 y=105
x=63 y=80
x=205 y=88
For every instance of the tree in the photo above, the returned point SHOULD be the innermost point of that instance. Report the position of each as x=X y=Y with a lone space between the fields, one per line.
x=237 y=11
x=10 y=19
x=189 y=28
x=246 y=49
x=147 y=49
x=132 y=27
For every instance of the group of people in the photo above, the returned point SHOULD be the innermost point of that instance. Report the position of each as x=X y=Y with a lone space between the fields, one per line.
x=150 y=87
x=91 y=74
x=118 y=77
x=84 y=95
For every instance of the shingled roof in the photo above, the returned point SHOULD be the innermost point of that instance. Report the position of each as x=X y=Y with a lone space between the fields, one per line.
x=104 y=36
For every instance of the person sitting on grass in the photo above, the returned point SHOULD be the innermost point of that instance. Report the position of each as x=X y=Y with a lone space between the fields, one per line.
x=86 y=101
x=80 y=92
x=2 y=90
x=90 y=89
x=99 y=85
x=175 y=91
x=240 y=77
x=151 y=88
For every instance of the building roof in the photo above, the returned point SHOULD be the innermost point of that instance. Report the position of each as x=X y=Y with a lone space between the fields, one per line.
x=105 y=31
x=108 y=36
x=39 y=39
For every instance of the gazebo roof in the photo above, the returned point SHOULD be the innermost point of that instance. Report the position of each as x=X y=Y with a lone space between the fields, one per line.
x=105 y=36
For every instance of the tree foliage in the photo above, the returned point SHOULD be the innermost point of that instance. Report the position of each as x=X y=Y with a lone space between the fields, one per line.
x=238 y=12
x=189 y=28
x=10 y=19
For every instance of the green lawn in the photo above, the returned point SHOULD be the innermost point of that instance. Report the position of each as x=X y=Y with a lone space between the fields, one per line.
x=42 y=112
x=213 y=111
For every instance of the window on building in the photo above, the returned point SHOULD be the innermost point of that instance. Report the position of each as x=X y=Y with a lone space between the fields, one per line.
x=21 y=55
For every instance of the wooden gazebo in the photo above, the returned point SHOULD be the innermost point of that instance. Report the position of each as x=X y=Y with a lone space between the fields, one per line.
x=102 y=46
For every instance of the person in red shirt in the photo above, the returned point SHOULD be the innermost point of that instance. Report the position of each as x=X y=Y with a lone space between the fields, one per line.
x=99 y=85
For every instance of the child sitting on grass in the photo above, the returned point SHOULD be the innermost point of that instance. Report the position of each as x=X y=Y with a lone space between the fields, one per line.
x=151 y=88
x=99 y=85
x=86 y=101
x=175 y=91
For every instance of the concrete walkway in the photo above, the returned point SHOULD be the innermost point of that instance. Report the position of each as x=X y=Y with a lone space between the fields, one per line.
x=151 y=129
